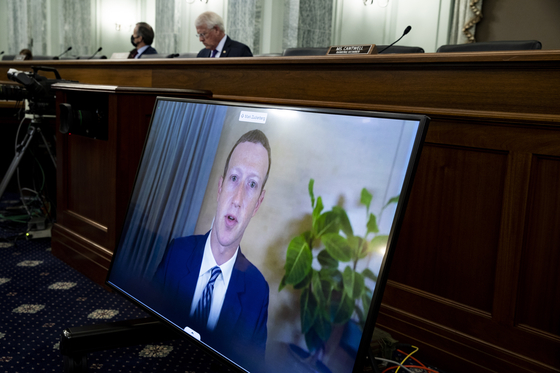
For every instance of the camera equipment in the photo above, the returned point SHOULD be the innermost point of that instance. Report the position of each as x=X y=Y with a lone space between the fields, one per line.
x=36 y=89
x=41 y=102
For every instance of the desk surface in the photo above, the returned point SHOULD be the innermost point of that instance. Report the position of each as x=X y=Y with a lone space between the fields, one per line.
x=506 y=85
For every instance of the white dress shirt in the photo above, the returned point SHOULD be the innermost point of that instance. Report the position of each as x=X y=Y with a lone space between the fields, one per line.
x=220 y=286
x=220 y=48
x=140 y=51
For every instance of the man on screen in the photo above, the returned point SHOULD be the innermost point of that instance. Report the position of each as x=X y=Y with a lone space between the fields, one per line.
x=214 y=291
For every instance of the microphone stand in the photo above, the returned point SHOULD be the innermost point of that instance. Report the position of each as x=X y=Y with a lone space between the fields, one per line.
x=406 y=31
x=97 y=51
x=66 y=51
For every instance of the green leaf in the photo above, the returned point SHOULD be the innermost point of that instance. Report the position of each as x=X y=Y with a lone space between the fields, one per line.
x=342 y=310
x=365 y=199
x=326 y=223
x=367 y=273
x=378 y=243
x=354 y=283
x=366 y=301
x=317 y=288
x=356 y=244
x=282 y=284
x=298 y=260
x=372 y=225
x=311 y=195
x=305 y=282
x=395 y=199
x=337 y=246
x=360 y=314
x=326 y=260
x=322 y=327
x=313 y=341
x=331 y=275
x=308 y=305
x=345 y=224
x=327 y=288
x=318 y=208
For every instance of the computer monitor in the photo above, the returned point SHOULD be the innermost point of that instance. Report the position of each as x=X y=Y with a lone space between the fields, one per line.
x=264 y=233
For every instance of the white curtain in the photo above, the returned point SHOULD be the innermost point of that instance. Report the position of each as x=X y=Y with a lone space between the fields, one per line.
x=168 y=26
x=466 y=14
x=27 y=26
x=307 y=23
x=244 y=22
x=75 y=31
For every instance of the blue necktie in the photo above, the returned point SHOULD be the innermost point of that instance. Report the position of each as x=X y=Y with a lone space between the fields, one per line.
x=214 y=52
x=203 y=307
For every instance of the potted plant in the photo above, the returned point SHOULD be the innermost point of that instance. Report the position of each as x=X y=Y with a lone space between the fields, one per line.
x=336 y=292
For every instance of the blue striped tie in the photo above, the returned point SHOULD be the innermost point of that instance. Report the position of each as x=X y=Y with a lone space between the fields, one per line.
x=203 y=307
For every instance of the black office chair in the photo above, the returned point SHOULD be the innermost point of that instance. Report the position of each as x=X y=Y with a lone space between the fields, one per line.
x=102 y=57
x=492 y=46
x=45 y=57
x=394 y=49
x=311 y=51
x=269 y=55
x=187 y=55
x=8 y=57
x=159 y=55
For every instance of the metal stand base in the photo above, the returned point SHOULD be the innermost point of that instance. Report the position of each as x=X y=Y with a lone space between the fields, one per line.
x=20 y=151
x=77 y=342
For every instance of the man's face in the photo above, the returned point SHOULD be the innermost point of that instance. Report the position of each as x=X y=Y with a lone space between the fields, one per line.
x=136 y=36
x=239 y=194
x=209 y=37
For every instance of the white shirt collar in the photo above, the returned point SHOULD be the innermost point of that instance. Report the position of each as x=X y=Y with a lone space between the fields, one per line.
x=141 y=50
x=220 y=47
x=208 y=262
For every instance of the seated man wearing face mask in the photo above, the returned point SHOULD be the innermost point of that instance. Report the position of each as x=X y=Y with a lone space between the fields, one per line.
x=142 y=39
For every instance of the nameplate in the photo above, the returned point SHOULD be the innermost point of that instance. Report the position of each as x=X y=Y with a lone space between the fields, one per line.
x=120 y=55
x=345 y=50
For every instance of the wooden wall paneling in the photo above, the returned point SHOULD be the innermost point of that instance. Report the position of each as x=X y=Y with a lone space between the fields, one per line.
x=511 y=236
x=451 y=227
x=452 y=351
x=538 y=305
x=410 y=297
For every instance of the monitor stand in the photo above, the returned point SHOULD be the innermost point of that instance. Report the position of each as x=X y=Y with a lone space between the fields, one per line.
x=77 y=342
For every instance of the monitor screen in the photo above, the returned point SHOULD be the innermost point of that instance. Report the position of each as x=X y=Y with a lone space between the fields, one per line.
x=264 y=233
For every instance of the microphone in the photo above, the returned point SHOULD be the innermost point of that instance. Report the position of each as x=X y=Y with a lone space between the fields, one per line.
x=66 y=51
x=406 y=31
x=97 y=51
x=1 y=53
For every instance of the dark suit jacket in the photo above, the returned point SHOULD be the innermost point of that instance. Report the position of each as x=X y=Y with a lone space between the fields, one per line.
x=241 y=332
x=149 y=50
x=232 y=48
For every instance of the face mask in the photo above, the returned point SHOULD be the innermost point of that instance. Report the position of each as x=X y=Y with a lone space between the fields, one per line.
x=132 y=40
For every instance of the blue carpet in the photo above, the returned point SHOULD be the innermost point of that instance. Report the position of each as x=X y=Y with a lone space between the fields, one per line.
x=40 y=296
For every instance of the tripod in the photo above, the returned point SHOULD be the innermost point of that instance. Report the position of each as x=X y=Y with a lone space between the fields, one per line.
x=32 y=130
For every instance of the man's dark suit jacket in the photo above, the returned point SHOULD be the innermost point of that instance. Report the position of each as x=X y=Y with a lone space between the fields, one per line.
x=149 y=50
x=232 y=48
x=241 y=331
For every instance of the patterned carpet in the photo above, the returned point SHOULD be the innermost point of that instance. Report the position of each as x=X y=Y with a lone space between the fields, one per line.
x=40 y=296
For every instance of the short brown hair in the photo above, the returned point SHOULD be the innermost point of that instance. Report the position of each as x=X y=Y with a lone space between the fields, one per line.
x=146 y=32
